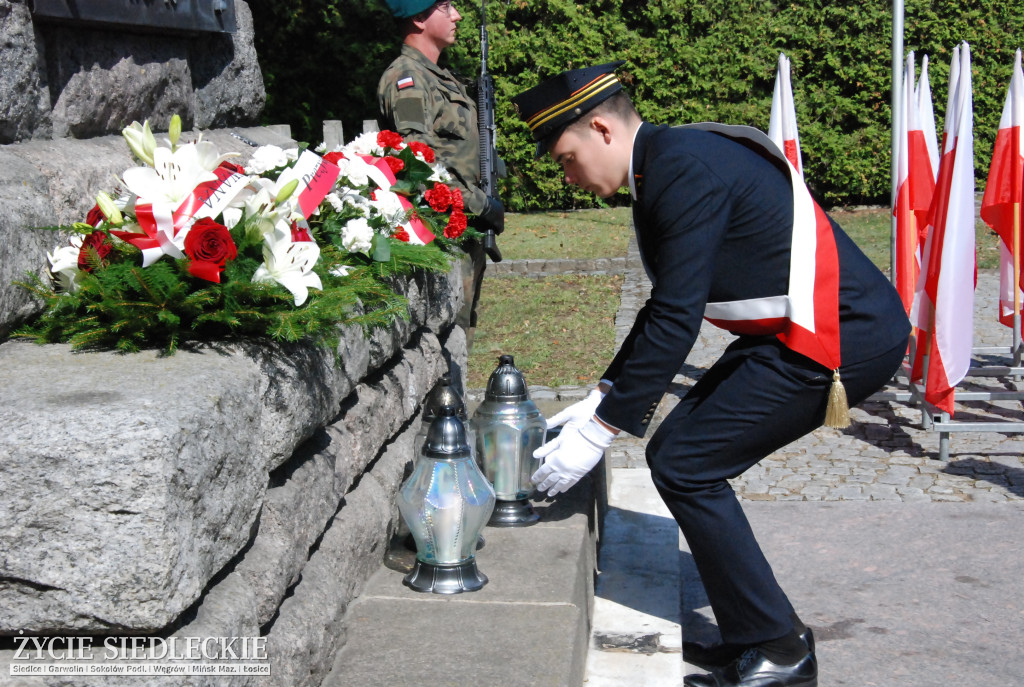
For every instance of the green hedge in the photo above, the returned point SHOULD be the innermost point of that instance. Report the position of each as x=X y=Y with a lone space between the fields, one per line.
x=685 y=61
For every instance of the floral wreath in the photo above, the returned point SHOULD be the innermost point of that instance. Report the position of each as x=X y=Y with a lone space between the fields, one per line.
x=289 y=247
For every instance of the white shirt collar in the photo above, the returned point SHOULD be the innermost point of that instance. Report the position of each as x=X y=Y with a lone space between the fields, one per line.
x=632 y=179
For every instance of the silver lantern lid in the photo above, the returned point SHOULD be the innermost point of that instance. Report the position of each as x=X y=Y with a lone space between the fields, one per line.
x=444 y=394
x=506 y=384
x=446 y=437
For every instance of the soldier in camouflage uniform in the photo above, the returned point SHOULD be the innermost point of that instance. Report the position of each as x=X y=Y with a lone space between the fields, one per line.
x=425 y=102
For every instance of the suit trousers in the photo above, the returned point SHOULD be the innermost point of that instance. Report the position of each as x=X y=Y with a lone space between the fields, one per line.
x=758 y=397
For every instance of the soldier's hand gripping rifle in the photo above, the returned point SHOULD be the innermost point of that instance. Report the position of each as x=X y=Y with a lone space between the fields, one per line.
x=490 y=165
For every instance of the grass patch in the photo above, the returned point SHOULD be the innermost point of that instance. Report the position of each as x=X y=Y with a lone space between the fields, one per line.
x=561 y=330
x=871 y=230
x=576 y=234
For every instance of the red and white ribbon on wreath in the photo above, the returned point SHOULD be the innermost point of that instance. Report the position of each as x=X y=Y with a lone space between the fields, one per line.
x=316 y=178
x=164 y=229
x=378 y=170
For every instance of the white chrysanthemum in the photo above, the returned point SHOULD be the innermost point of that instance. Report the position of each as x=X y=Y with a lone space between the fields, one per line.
x=266 y=158
x=440 y=174
x=357 y=236
x=364 y=144
x=389 y=206
x=334 y=200
x=357 y=172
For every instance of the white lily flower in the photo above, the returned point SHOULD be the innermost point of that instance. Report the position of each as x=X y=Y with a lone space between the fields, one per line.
x=64 y=264
x=140 y=140
x=174 y=175
x=290 y=264
x=357 y=236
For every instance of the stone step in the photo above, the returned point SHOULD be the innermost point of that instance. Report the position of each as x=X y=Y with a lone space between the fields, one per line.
x=636 y=637
x=528 y=626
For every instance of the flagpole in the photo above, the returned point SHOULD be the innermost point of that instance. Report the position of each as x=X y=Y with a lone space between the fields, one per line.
x=897 y=113
x=1016 y=285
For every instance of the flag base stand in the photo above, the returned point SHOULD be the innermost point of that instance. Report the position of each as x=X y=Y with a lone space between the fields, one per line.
x=934 y=419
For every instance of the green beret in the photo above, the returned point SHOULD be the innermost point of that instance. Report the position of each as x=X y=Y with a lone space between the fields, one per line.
x=408 y=8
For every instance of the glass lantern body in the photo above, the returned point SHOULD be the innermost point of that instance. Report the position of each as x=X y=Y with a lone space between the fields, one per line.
x=446 y=503
x=507 y=434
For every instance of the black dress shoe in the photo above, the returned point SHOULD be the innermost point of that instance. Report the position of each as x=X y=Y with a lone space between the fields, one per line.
x=752 y=669
x=714 y=656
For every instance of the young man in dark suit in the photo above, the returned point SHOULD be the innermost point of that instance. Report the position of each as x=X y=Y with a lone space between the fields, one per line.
x=728 y=232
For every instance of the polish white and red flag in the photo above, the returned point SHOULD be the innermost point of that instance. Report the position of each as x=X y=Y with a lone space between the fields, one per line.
x=782 y=123
x=926 y=112
x=1001 y=204
x=915 y=185
x=944 y=302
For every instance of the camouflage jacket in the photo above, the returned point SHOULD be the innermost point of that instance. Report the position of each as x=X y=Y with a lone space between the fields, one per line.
x=426 y=103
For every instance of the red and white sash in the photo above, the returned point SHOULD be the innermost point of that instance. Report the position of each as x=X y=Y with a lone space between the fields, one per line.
x=806 y=319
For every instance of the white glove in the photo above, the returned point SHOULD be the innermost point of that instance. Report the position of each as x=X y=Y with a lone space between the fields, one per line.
x=569 y=456
x=579 y=413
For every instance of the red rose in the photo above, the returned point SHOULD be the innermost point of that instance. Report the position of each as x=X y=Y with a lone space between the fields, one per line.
x=232 y=167
x=97 y=241
x=456 y=225
x=209 y=246
x=334 y=157
x=300 y=233
x=389 y=139
x=423 y=150
x=95 y=216
x=394 y=163
x=439 y=198
x=401 y=235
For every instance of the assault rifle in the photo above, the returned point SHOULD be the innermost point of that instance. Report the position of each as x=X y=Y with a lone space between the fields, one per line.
x=490 y=165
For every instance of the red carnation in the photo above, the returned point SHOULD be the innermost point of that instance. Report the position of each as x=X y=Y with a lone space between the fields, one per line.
x=300 y=233
x=439 y=198
x=401 y=235
x=456 y=225
x=209 y=246
x=394 y=163
x=457 y=200
x=97 y=241
x=95 y=216
x=334 y=157
x=423 y=150
x=389 y=139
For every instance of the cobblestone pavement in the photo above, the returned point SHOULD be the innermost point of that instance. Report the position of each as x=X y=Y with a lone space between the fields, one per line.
x=884 y=456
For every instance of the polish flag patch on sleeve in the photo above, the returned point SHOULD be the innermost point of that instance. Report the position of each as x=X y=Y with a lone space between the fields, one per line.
x=404 y=82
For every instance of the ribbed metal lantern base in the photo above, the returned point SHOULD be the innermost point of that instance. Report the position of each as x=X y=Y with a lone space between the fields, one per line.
x=513 y=514
x=445 y=579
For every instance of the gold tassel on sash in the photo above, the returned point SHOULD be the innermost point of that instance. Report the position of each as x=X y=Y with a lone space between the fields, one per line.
x=837 y=412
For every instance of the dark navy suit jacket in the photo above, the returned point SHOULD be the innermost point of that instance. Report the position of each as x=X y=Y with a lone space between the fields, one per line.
x=714 y=223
